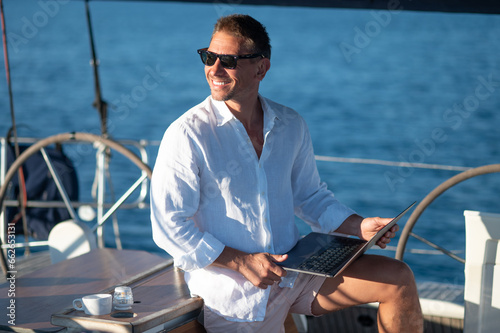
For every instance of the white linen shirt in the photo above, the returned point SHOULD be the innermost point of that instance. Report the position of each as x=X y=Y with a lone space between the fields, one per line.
x=210 y=190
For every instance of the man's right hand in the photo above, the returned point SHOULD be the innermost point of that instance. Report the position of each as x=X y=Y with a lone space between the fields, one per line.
x=259 y=268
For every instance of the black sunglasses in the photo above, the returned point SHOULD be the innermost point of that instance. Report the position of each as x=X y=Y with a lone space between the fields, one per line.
x=228 y=61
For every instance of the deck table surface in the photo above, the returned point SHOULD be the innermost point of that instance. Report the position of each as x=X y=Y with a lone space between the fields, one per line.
x=47 y=294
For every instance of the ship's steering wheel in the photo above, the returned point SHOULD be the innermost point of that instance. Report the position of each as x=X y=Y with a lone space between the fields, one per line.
x=407 y=230
x=103 y=143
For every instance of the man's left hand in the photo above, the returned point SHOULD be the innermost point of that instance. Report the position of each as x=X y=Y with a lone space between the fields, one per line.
x=371 y=225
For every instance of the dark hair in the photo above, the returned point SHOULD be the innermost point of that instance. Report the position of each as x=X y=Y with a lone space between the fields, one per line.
x=248 y=28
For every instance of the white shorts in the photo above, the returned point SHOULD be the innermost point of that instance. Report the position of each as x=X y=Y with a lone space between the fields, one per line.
x=298 y=299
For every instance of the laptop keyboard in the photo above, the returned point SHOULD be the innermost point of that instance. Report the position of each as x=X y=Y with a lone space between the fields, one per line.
x=326 y=261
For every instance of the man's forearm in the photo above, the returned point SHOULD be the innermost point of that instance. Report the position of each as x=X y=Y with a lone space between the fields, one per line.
x=351 y=226
x=259 y=268
x=229 y=258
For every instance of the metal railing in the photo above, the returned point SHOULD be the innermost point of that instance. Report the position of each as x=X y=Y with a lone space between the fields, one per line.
x=104 y=209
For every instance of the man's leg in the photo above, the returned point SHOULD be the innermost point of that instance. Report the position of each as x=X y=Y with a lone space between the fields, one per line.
x=375 y=279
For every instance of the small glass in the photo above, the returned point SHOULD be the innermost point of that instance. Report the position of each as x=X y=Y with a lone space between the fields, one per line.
x=123 y=298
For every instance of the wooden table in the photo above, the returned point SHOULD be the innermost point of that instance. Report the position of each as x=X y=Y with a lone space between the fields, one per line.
x=44 y=298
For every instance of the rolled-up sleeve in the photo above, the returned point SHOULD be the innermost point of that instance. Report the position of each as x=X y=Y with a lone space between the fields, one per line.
x=175 y=197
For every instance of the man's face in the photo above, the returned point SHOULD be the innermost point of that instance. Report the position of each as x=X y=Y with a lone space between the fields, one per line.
x=232 y=84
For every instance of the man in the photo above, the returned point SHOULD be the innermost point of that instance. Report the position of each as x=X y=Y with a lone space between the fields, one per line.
x=231 y=173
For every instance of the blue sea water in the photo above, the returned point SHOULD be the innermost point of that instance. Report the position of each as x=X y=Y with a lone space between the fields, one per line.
x=392 y=85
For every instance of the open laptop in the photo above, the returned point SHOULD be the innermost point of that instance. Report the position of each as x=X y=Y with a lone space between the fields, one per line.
x=329 y=254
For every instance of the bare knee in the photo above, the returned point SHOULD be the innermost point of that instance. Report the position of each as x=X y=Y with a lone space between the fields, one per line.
x=369 y=279
x=400 y=305
x=390 y=277
x=400 y=281
x=403 y=273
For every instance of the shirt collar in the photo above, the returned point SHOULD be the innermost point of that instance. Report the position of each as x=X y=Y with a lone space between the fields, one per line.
x=221 y=111
x=224 y=115
x=269 y=112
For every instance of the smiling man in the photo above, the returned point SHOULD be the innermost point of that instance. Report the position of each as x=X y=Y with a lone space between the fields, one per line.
x=230 y=176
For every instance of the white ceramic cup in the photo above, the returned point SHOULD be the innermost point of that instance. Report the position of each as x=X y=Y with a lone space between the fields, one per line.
x=94 y=305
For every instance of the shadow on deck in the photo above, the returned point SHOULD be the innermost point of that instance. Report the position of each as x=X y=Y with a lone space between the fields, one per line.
x=363 y=319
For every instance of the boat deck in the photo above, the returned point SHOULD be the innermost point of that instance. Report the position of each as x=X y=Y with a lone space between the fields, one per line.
x=42 y=300
x=360 y=319
x=363 y=319
x=30 y=263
